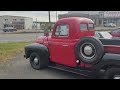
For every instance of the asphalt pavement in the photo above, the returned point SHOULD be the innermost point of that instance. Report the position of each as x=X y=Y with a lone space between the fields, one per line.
x=19 y=37
x=20 y=68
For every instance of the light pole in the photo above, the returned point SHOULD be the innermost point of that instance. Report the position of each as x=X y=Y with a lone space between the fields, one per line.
x=49 y=20
x=56 y=16
x=49 y=16
x=36 y=27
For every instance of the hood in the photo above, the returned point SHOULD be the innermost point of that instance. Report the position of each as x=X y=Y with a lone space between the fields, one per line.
x=40 y=39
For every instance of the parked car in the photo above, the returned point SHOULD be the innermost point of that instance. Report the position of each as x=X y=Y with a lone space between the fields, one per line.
x=110 y=25
x=105 y=35
x=115 y=32
x=9 y=29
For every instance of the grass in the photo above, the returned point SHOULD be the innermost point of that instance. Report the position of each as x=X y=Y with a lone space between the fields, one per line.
x=9 y=50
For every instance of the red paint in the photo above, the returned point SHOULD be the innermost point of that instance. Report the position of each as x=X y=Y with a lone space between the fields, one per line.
x=112 y=49
x=62 y=48
x=115 y=32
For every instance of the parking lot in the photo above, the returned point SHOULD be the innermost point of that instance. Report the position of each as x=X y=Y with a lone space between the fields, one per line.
x=19 y=37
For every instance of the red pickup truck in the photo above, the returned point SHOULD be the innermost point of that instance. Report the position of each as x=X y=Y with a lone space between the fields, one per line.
x=73 y=47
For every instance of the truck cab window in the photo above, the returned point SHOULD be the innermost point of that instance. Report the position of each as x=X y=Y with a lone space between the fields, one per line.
x=62 y=30
x=90 y=26
x=83 y=27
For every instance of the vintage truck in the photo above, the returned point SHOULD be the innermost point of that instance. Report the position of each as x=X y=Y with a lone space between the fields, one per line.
x=73 y=47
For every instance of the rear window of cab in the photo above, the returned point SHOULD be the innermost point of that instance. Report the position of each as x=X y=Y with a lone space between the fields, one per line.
x=85 y=26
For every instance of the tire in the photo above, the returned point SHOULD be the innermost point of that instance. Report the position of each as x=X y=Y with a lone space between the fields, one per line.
x=111 y=73
x=42 y=61
x=95 y=52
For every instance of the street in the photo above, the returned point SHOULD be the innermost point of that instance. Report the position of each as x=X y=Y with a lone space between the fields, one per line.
x=19 y=68
x=19 y=37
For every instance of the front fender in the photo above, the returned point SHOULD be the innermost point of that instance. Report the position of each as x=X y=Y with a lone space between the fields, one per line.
x=36 y=47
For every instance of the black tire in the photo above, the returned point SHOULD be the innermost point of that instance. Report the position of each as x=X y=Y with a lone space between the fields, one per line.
x=42 y=60
x=97 y=50
x=110 y=73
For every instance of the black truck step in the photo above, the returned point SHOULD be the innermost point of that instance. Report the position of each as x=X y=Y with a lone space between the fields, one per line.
x=78 y=71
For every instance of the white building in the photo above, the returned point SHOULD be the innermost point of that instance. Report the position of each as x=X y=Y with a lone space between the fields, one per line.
x=17 y=22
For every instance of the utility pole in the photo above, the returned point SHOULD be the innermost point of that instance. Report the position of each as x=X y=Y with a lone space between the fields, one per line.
x=36 y=27
x=49 y=20
x=88 y=14
x=56 y=16
x=49 y=16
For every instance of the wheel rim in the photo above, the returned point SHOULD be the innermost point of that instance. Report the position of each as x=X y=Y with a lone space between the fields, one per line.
x=36 y=61
x=87 y=50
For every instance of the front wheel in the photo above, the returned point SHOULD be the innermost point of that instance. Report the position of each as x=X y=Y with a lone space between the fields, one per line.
x=38 y=61
x=112 y=73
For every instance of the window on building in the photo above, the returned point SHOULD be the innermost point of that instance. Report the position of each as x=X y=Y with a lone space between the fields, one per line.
x=22 y=19
x=83 y=26
x=14 y=19
x=6 y=19
x=62 y=30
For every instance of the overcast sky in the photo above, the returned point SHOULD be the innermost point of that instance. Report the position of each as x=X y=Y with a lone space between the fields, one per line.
x=40 y=15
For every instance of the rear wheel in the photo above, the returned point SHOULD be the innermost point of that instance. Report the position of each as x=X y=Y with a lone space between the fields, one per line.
x=112 y=73
x=38 y=61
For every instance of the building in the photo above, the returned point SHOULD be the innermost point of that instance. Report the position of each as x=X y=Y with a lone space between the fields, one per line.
x=99 y=17
x=17 y=22
x=41 y=25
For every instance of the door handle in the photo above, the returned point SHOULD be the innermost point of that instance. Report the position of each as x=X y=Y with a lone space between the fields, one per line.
x=65 y=45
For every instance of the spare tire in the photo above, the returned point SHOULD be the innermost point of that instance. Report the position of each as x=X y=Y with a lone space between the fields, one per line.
x=89 y=50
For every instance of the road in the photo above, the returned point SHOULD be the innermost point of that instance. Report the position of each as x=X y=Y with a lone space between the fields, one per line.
x=19 y=68
x=19 y=37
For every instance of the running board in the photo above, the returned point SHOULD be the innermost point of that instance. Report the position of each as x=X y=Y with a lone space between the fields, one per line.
x=85 y=73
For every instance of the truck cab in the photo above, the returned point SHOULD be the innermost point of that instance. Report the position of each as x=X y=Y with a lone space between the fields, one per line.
x=72 y=44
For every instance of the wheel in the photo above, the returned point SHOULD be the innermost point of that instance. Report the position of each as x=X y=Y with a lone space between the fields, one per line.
x=38 y=61
x=89 y=50
x=112 y=73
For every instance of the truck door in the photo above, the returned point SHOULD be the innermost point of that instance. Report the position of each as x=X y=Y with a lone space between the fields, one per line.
x=59 y=46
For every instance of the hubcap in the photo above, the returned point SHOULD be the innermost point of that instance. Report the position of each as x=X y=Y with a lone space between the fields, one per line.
x=87 y=50
x=36 y=60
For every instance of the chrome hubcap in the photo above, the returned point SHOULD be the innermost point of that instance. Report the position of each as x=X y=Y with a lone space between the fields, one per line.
x=36 y=60
x=88 y=50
